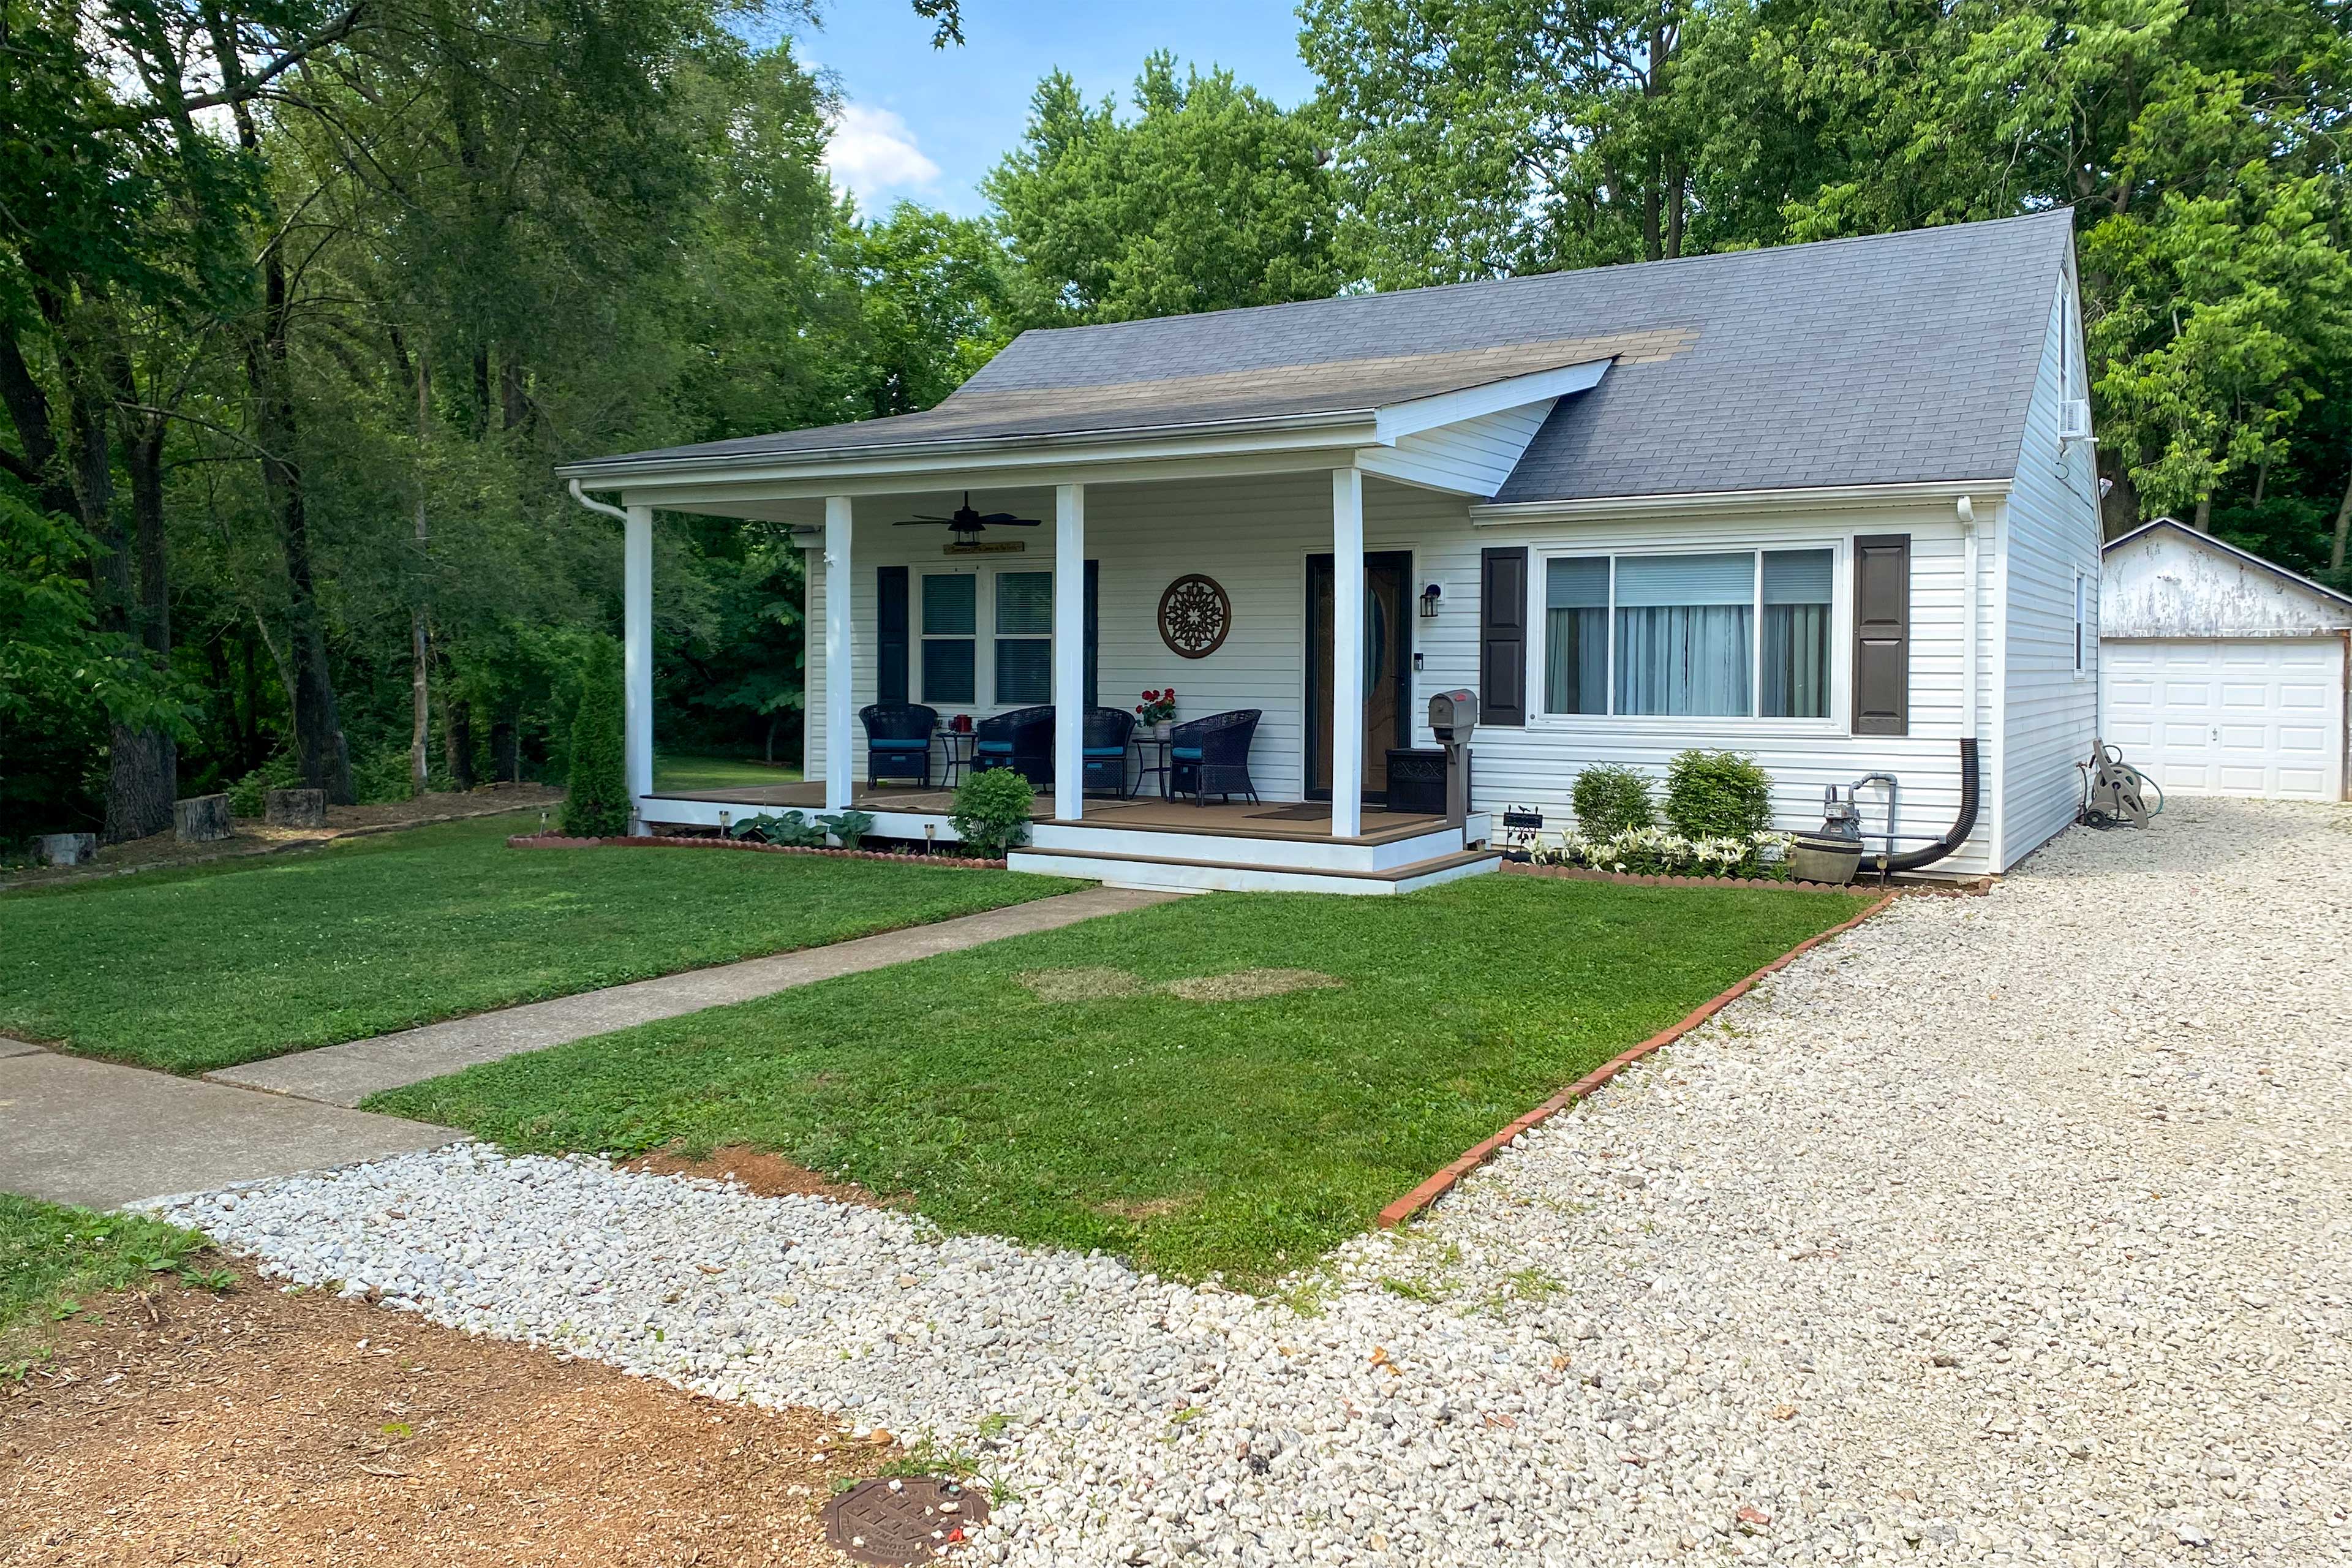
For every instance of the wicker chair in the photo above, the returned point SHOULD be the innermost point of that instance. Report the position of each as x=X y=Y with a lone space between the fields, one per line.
x=1022 y=741
x=1106 y=729
x=1210 y=756
x=898 y=740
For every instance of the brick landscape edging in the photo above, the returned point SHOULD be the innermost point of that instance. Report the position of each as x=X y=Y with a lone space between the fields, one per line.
x=1636 y=880
x=1430 y=1190
x=648 y=841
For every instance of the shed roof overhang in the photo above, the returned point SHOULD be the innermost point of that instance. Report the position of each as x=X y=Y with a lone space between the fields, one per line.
x=789 y=486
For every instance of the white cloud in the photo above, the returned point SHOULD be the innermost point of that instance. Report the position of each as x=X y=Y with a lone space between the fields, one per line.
x=873 y=151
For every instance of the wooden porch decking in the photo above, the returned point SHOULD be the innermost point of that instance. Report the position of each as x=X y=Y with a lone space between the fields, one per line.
x=1145 y=813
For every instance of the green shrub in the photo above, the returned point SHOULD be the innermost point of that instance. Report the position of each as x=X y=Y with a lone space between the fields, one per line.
x=1610 y=800
x=1718 y=794
x=992 y=812
x=597 y=805
x=792 y=828
x=849 y=828
x=249 y=796
x=380 y=777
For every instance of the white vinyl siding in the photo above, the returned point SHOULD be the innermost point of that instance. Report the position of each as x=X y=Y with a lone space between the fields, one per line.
x=1473 y=457
x=2048 y=541
x=1254 y=535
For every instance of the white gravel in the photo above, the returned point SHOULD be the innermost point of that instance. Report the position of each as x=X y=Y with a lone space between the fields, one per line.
x=2004 y=1230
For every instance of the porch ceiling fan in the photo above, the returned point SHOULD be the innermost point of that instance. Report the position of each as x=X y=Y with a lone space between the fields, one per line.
x=966 y=524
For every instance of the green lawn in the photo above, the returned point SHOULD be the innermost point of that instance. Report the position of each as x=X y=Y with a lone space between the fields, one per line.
x=1246 y=1136
x=196 y=970
x=53 y=1258
x=683 y=772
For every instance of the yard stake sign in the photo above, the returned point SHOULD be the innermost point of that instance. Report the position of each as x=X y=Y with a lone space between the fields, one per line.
x=1438 y=1186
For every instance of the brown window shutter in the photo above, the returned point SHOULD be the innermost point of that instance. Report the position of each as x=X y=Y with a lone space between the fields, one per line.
x=1503 y=636
x=1882 y=634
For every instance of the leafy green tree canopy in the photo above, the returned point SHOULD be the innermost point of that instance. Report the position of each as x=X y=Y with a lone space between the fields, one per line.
x=1211 y=198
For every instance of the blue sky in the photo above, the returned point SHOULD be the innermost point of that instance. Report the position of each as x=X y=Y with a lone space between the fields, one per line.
x=924 y=125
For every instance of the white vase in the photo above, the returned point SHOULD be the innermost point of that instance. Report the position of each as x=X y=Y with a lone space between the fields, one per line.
x=1163 y=730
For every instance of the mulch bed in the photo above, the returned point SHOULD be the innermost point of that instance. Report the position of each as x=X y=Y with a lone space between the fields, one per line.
x=670 y=841
x=164 y=851
x=1860 y=884
x=756 y=1170
x=1444 y=1180
x=262 y=1427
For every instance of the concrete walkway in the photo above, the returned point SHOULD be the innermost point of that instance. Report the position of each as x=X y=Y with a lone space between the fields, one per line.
x=79 y=1131
x=347 y=1074
x=82 y=1132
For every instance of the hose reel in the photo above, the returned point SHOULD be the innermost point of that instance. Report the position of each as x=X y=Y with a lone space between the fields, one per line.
x=2114 y=793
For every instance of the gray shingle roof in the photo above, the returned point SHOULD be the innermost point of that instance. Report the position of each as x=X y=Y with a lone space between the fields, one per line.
x=1900 y=357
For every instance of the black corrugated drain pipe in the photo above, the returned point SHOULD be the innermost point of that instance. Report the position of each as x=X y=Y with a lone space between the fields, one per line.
x=1957 y=835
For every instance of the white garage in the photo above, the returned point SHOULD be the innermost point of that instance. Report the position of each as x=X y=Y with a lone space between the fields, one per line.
x=2221 y=673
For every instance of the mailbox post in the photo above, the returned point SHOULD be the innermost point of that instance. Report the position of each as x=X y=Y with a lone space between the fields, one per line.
x=1452 y=716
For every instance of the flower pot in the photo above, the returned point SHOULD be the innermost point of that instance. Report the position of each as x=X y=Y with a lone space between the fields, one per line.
x=1165 y=727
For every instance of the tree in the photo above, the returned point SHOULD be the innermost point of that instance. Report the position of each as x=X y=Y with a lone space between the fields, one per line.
x=1480 y=138
x=1211 y=198
x=597 y=805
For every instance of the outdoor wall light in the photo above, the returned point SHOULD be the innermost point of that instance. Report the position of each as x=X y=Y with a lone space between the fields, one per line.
x=1429 y=597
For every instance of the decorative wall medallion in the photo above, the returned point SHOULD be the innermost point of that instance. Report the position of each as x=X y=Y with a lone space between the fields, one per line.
x=1194 y=616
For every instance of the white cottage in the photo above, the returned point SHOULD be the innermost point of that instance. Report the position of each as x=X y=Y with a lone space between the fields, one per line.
x=2226 y=673
x=1832 y=504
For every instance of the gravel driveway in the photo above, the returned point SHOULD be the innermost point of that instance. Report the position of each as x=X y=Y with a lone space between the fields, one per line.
x=2006 y=1230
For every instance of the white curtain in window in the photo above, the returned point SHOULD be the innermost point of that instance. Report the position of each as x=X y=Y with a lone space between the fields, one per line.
x=1575 y=636
x=1683 y=634
x=1796 y=656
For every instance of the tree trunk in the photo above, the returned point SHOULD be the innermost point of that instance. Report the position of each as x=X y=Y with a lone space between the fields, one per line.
x=515 y=405
x=2204 y=523
x=143 y=770
x=420 y=636
x=420 y=709
x=2119 y=510
x=506 y=752
x=2343 y=528
x=318 y=739
x=775 y=722
x=458 y=741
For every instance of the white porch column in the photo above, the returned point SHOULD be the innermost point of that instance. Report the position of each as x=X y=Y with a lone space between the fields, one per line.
x=840 y=668
x=637 y=658
x=1070 y=650
x=1347 y=653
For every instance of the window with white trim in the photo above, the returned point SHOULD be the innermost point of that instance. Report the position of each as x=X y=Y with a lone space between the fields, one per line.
x=1024 y=629
x=1721 y=634
x=950 y=622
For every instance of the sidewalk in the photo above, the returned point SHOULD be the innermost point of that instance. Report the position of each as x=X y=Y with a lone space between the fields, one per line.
x=74 y=1131
x=82 y=1132
x=347 y=1074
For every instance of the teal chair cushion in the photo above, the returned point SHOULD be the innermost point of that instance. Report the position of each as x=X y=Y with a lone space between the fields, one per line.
x=1106 y=751
x=1185 y=754
x=900 y=745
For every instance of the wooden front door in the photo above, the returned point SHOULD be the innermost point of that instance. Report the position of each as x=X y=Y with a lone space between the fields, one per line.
x=1388 y=668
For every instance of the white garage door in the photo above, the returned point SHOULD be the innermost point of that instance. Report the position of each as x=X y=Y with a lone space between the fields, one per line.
x=2254 y=717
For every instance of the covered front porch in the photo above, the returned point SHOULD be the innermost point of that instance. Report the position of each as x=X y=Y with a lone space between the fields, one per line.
x=1317 y=575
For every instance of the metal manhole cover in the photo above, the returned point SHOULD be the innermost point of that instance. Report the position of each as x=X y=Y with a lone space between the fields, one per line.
x=924 y=1517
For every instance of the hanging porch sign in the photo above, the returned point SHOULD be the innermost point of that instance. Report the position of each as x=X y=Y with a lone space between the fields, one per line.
x=1194 y=616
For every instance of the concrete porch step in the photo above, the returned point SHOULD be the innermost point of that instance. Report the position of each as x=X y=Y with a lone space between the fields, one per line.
x=1178 y=875
x=1115 y=838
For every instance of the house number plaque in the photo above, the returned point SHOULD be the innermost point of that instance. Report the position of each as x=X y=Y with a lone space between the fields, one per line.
x=1194 y=616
